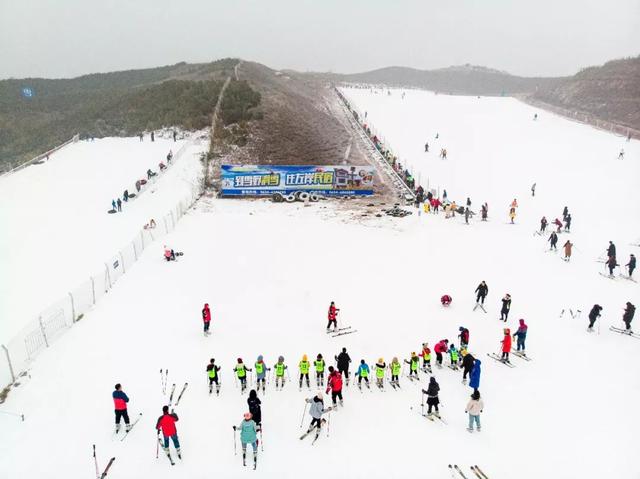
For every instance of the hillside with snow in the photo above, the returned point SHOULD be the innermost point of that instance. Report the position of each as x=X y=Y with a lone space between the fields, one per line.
x=269 y=272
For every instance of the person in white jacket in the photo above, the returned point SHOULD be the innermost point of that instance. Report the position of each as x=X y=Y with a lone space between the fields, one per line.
x=474 y=408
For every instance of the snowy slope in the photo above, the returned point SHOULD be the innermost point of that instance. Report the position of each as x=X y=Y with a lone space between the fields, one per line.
x=269 y=272
x=54 y=218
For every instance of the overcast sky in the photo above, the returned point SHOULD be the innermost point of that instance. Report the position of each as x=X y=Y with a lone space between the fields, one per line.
x=64 y=38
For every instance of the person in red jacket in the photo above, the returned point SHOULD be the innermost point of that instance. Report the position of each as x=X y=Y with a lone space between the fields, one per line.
x=120 y=400
x=506 y=345
x=206 y=318
x=334 y=384
x=167 y=424
x=440 y=348
x=333 y=316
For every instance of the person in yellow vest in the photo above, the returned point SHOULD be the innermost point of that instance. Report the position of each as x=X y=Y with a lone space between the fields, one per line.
x=426 y=358
x=241 y=374
x=380 y=368
x=396 y=369
x=319 y=365
x=304 y=366
x=280 y=369
x=261 y=373
x=413 y=366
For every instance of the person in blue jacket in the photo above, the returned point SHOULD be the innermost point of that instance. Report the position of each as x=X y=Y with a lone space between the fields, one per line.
x=474 y=377
x=363 y=373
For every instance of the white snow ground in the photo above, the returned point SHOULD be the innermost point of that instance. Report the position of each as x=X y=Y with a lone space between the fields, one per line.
x=269 y=272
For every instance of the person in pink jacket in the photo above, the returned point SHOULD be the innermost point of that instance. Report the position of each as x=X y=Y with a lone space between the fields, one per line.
x=474 y=408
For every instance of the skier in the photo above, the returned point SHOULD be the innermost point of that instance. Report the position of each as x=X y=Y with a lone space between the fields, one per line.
x=474 y=376
x=343 y=361
x=413 y=363
x=558 y=224
x=482 y=291
x=254 y=408
x=533 y=189
x=241 y=374
x=441 y=347
x=125 y=195
x=453 y=356
x=567 y=250
x=631 y=265
x=611 y=264
x=621 y=154
x=426 y=357
x=521 y=336
x=611 y=250
x=567 y=223
x=212 y=373
x=206 y=318
x=474 y=408
x=432 y=396
x=506 y=306
x=445 y=300
x=334 y=384
x=120 y=400
x=535 y=117
x=426 y=147
x=553 y=239
x=543 y=224
x=316 y=411
x=167 y=424
x=506 y=345
x=594 y=314
x=153 y=136
x=174 y=136
x=261 y=373
x=380 y=367
x=119 y=203
x=114 y=207
x=464 y=337
x=565 y=212
x=512 y=214
x=485 y=211
x=333 y=317
x=303 y=366
x=363 y=373
x=627 y=317
x=395 y=368
x=467 y=365
x=169 y=157
x=467 y=213
x=514 y=203
x=248 y=435
x=319 y=365
x=280 y=369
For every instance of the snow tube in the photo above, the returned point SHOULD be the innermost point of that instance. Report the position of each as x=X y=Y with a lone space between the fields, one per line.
x=277 y=198
x=290 y=198
x=304 y=196
x=297 y=194
x=132 y=195
x=446 y=300
x=111 y=212
x=313 y=197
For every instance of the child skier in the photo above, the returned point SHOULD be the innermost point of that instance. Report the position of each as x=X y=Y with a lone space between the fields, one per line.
x=212 y=373
x=380 y=368
x=593 y=315
x=316 y=410
x=332 y=316
x=441 y=347
x=474 y=408
x=506 y=345
x=280 y=369
x=206 y=318
x=467 y=365
x=248 y=435
x=241 y=374
x=363 y=373
x=432 y=396
x=521 y=335
x=334 y=384
x=474 y=376
x=464 y=337
x=319 y=365
x=395 y=367
x=303 y=366
x=453 y=357
x=426 y=358
x=413 y=363
x=261 y=373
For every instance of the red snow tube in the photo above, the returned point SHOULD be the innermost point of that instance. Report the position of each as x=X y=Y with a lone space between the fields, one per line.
x=446 y=300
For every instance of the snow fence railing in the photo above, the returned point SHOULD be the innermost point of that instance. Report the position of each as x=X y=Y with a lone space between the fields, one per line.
x=74 y=139
x=40 y=333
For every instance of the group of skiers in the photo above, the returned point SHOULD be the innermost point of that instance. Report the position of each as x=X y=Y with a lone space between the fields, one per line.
x=612 y=262
x=627 y=316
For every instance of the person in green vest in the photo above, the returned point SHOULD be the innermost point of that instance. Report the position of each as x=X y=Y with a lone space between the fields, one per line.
x=426 y=358
x=413 y=366
x=304 y=371
x=380 y=367
x=241 y=374
x=280 y=369
x=261 y=373
x=395 y=368
x=212 y=373
x=454 y=357
x=363 y=373
x=319 y=364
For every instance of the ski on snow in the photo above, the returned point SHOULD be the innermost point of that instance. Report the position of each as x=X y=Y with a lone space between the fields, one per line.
x=106 y=469
x=521 y=355
x=329 y=331
x=350 y=331
x=126 y=433
x=458 y=470
x=478 y=305
x=624 y=331
x=479 y=472
x=500 y=360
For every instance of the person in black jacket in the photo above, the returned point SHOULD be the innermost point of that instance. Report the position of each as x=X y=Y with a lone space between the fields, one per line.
x=554 y=241
x=482 y=291
x=593 y=315
x=627 y=317
x=343 y=361
x=631 y=265
x=254 y=408
x=567 y=223
x=611 y=264
x=611 y=250
x=467 y=365
x=506 y=306
x=432 y=396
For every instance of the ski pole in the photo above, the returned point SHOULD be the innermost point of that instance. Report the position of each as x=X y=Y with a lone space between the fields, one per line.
x=422 y=404
x=162 y=381
x=95 y=459
x=261 y=440
x=157 y=444
x=21 y=416
x=235 y=451
x=328 y=423
x=303 y=414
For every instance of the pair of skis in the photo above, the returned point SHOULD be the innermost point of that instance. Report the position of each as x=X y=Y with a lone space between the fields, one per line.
x=341 y=331
x=573 y=315
x=173 y=390
x=479 y=305
x=126 y=433
x=475 y=469
x=163 y=380
x=521 y=355
x=106 y=469
x=624 y=331
x=500 y=360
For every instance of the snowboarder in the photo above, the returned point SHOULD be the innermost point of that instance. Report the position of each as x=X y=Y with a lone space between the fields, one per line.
x=248 y=435
x=212 y=373
x=254 y=408
x=543 y=224
x=261 y=373
x=303 y=367
x=426 y=357
x=343 y=360
x=453 y=356
x=432 y=396
x=506 y=345
x=241 y=374
x=467 y=365
x=380 y=368
x=631 y=265
x=485 y=211
x=567 y=250
x=167 y=425
x=474 y=408
x=334 y=384
x=120 y=400
x=280 y=369
x=553 y=239
x=464 y=337
x=333 y=317
x=119 y=203
x=611 y=264
x=533 y=189
x=396 y=368
x=206 y=318
x=594 y=314
x=319 y=366
x=521 y=336
x=363 y=373
x=482 y=291
x=627 y=317
x=440 y=348
x=506 y=307
x=316 y=410
x=611 y=250
x=474 y=376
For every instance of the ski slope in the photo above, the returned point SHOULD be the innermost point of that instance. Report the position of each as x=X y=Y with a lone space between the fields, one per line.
x=269 y=272
x=55 y=226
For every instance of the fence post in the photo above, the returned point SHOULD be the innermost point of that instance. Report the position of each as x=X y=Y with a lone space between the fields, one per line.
x=6 y=352
x=173 y=221
x=142 y=238
x=106 y=268
x=44 y=334
x=93 y=290
x=122 y=260
x=166 y=230
x=135 y=253
x=73 y=308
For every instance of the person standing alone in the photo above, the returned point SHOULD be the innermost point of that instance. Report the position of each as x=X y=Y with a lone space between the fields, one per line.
x=206 y=318
x=120 y=400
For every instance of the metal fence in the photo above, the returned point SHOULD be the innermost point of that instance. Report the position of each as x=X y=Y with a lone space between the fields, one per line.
x=55 y=320
x=46 y=154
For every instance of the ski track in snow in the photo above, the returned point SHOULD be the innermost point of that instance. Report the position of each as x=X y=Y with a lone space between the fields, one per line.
x=270 y=271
